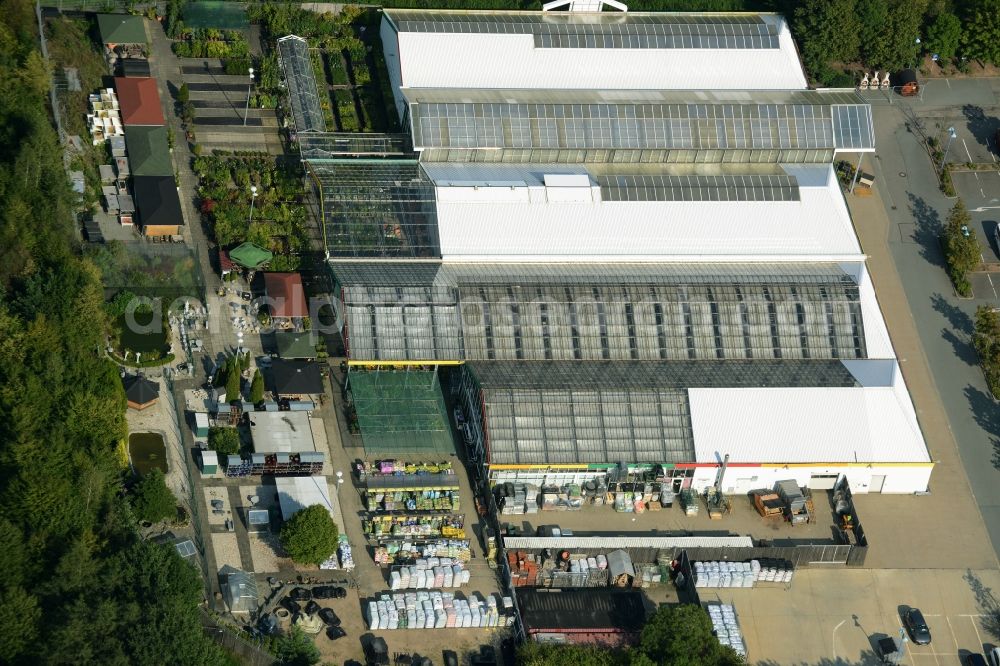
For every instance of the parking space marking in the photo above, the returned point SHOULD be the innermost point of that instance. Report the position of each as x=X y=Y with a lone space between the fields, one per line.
x=979 y=637
x=951 y=630
x=833 y=639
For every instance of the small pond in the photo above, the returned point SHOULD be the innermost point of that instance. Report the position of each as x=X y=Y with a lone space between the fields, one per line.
x=141 y=342
x=147 y=451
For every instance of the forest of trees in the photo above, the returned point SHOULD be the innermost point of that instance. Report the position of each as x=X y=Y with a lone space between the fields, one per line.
x=79 y=585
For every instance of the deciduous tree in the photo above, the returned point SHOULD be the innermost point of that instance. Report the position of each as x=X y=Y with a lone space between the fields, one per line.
x=153 y=501
x=944 y=35
x=310 y=536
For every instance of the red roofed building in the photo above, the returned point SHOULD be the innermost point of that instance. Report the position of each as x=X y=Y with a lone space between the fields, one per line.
x=139 y=100
x=287 y=298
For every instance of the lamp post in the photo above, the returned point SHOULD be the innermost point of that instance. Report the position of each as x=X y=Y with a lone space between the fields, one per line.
x=951 y=137
x=247 y=111
x=253 y=197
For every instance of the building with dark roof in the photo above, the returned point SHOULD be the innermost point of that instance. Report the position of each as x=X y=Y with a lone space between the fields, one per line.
x=291 y=379
x=140 y=392
x=121 y=29
x=601 y=616
x=158 y=205
x=148 y=150
x=295 y=344
x=139 y=100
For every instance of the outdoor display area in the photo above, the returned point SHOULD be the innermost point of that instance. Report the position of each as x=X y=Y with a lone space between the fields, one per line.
x=388 y=526
x=393 y=485
x=438 y=610
x=429 y=573
x=395 y=551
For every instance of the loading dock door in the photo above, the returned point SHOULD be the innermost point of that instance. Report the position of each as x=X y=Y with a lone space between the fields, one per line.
x=877 y=482
x=822 y=481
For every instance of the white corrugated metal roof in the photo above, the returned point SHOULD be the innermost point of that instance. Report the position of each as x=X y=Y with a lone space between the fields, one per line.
x=877 y=342
x=597 y=542
x=817 y=226
x=298 y=492
x=806 y=425
x=478 y=60
x=281 y=432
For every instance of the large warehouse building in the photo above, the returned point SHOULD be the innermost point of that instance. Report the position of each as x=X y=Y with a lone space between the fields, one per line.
x=629 y=233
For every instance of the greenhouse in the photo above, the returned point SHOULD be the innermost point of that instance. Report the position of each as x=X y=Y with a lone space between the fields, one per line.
x=400 y=412
x=302 y=91
x=600 y=312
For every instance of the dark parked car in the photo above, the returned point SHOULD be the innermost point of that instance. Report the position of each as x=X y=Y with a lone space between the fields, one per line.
x=324 y=592
x=293 y=607
x=917 y=627
x=329 y=617
x=333 y=633
x=975 y=659
x=312 y=608
x=301 y=594
x=450 y=658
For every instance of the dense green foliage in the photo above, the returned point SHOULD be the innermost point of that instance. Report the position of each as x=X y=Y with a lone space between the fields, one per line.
x=986 y=340
x=234 y=382
x=152 y=500
x=961 y=248
x=225 y=441
x=944 y=35
x=310 y=536
x=279 y=219
x=981 y=30
x=257 y=388
x=673 y=636
x=297 y=649
x=79 y=586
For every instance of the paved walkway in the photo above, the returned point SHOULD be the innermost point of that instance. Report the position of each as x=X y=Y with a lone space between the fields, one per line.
x=944 y=529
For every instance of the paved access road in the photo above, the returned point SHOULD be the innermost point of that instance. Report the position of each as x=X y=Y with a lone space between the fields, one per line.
x=916 y=211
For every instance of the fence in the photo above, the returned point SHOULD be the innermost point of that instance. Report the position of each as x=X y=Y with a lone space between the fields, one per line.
x=249 y=653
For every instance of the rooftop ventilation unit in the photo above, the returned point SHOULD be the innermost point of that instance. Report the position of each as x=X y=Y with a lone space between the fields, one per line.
x=584 y=5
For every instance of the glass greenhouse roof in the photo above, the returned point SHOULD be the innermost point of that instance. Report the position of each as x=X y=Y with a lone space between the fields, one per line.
x=612 y=30
x=619 y=312
x=401 y=412
x=619 y=411
x=699 y=188
x=376 y=208
x=302 y=92
x=637 y=120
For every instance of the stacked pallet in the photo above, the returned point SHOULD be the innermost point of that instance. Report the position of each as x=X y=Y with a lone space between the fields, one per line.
x=773 y=571
x=723 y=574
x=434 y=610
x=726 y=627
x=523 y=569
x=429 y=573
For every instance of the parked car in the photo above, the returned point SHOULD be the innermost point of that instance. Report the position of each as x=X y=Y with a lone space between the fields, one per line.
x=301 y=594
x=333 y=633
x=450 y=658
x=993 y=656
x=329 y=617
x=312 y=608
x=293 y=607
x=917 y=627
x=975 y=659
x=996 y=236
x=324 y=592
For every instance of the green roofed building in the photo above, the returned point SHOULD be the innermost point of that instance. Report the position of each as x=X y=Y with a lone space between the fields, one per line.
x=148 y=151
x=250 y=256
x=401 y=412
x=295 y=344
x=121 y=29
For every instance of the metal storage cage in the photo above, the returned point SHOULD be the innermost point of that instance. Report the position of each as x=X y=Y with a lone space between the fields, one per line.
x=400 y=412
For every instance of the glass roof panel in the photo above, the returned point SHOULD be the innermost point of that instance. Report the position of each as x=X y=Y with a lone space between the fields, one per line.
x=293 y=53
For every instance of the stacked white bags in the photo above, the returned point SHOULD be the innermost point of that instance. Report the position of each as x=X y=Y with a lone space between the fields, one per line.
x=433 y=610
x=773 y=574
x=727 y=627
x=432 y=572
x=723 y=574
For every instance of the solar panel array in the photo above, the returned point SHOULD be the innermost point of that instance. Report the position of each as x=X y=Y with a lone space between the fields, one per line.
x=734 y=315
x=770 y=187
x=632 y=30
x=303 y=96
x=376 y=208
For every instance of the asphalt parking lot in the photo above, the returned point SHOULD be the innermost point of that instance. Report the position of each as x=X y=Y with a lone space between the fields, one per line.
x=834 y=616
